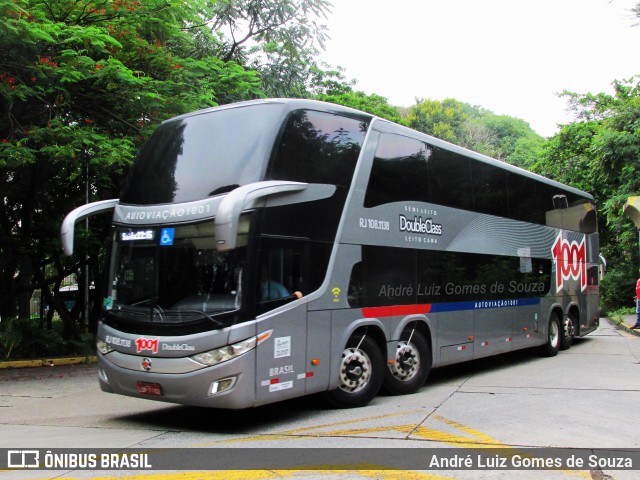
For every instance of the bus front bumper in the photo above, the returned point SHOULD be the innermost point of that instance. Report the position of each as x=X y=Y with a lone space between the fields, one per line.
x=230 y=384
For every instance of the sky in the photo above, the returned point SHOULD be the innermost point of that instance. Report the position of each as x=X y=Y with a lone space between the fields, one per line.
x=512 y=57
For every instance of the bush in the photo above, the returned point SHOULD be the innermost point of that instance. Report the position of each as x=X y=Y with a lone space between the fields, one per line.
x=617 y=288
x=27 y=338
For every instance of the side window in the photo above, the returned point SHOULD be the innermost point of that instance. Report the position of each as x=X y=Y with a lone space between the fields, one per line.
x=489 y=189
x=356 y=287
x=388 y=276
x=521 y=193
x=318 y=147
x=399 y=171
x=460 y=276
x=450 y=179
x=281 y=274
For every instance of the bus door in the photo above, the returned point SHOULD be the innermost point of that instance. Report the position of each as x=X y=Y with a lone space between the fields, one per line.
x=281 y=361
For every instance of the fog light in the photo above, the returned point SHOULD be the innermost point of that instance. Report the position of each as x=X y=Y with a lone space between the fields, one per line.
x=223 y=385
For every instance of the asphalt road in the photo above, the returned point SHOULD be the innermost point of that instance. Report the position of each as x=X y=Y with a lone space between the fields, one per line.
x=587 y=397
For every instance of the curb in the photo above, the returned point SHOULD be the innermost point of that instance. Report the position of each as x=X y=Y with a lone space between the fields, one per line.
x=48 y=362
x=621 y=323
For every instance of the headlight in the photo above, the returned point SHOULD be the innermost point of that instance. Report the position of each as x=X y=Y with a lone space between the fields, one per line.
x=219 y=355
x=103 y=347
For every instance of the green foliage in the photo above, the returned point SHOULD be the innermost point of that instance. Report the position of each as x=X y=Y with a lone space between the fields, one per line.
x=279 y=39
x=441 y=119
x=25 y=338
x=617 y=288
x=502 y=137
x=81 y=85
x=373 y=104
x=498 y=136
x=326 y=80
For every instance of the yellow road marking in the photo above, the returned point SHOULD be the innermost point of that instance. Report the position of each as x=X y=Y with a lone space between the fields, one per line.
x=462 y=437
x=313 y=431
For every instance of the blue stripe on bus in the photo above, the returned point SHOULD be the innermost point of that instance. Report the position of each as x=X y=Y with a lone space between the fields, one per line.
x=402 y=310
x=483 y=304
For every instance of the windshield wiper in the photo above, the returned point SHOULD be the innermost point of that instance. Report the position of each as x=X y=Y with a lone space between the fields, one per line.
x=148 y=300
x=207 y=316
x=138 y=313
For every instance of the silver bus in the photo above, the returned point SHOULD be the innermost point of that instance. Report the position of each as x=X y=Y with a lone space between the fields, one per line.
x=276 y=248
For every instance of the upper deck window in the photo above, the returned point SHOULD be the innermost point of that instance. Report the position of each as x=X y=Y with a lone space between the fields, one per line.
x=399 y=172
x=318 y=147
x=407 y=169
x=194 y=157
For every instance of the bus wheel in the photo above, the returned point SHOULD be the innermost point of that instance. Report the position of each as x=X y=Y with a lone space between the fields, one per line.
x=360 y=374
x=551 y=348
x=568 y=332
x=411 y=366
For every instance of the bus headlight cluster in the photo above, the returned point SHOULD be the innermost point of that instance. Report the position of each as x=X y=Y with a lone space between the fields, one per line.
x=219 y=355
x=103 y=347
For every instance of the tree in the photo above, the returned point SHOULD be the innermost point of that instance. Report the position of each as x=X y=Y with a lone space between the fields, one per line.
x=498 y=136
x=277 y=38
x=374 y=104
x=442 y=119
x=81 y=85
x=502 y=137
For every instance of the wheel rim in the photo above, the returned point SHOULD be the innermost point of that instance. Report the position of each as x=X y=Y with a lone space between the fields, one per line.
x=355 y=370
x=554 y=336
x=407 y=362
x=569 y=328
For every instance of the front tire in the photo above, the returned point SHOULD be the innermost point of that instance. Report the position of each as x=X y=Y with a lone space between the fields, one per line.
x=411 y=366
x=361 y=374
x=551 y=348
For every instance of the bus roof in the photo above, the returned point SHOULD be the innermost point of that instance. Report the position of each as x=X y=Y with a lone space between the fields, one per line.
x=382 y=125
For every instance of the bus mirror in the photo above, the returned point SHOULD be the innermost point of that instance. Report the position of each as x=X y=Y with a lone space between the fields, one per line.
x=88 y=210
x=579 y=218
x=228 y=215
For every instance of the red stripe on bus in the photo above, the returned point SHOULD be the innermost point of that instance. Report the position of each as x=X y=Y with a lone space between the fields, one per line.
x=396 y=310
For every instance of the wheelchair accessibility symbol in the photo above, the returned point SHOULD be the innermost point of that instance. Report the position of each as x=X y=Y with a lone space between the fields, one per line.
x=166 y=236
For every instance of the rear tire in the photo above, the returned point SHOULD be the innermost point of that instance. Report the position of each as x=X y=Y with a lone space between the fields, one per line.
x=567 y=333
x=412 y=364
x=361 y=374
x=551 y=348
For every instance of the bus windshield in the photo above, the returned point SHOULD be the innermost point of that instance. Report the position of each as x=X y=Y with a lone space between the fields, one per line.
x=174 y=275
x=197 y=156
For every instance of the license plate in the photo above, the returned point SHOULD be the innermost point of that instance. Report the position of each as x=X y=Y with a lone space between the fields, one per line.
x=147 y=388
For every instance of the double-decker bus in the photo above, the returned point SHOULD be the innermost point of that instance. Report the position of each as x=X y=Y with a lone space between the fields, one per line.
x=276 y=248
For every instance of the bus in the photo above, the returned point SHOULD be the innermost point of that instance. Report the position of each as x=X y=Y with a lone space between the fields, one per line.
x=275 y=248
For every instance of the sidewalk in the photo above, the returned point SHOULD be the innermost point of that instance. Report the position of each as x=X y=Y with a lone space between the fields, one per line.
x=627 y=322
